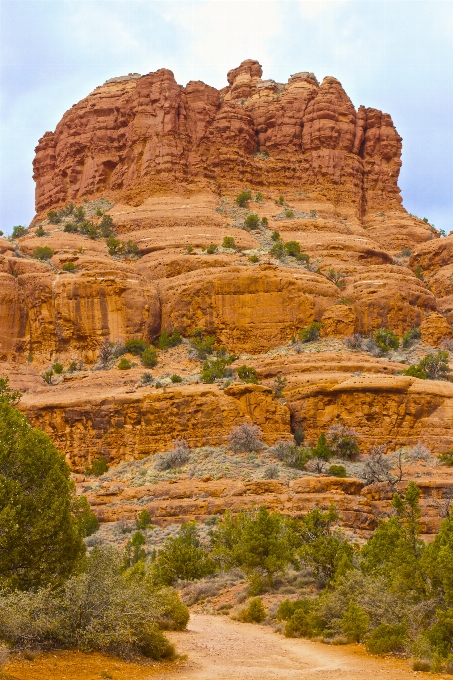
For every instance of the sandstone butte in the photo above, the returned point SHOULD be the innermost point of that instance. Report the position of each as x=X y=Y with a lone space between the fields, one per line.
x=166 y=162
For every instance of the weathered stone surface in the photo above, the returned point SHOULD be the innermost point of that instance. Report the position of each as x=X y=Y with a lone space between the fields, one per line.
x=338 y=321
x=435 y=328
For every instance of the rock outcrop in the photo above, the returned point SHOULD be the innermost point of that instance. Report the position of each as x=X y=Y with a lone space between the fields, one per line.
x=322 y=239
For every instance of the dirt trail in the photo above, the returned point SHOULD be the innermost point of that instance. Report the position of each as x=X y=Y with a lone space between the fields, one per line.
x=221 y=649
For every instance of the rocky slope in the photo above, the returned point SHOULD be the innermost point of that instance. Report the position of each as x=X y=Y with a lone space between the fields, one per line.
x=166 y=163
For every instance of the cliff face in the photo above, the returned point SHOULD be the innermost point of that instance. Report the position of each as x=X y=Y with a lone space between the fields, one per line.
x=166 y=164
x=139 y=135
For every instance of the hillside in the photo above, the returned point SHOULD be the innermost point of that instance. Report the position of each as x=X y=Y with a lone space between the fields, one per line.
x=166 y=164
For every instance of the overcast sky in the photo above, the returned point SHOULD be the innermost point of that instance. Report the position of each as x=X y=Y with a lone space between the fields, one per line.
x=395 y=55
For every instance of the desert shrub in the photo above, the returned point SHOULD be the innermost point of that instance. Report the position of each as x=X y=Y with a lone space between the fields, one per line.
x=175 y=378
x=136 y=346
x=322 y=452
x=259 y=197
x=47 y=376
x=143 y=520
x=258 y=541
x=354 y=341
x=182 y=558
x=146 y=379
x=172 y=613
x=217 y=368
x=42 y=253
x=446 y=458
x=342 y=441
x=243 y=198
x=247 y=374
x=421 y=665
x=355 y=622
x=254 y=612
x=70 y=228
x=113 y=245
x=303 y=257
x=387 y=638
x=337 y=471
x=252 y=221
x=336 y=277
x=303 y=623
x=418 y=271
x=18 y=231
x=386 y=339
x=264 y=222
x=40 y=231
x=97 y=610
x=87 y=520
x=149 y=357
x=292 y=248
x=293 y=456
x=228 y=242
x=54 y=217
x=409 y=337
x=431 y=367
x=57 y=367
x=278 y=250
x=311 y=332
x=106 y=226
x=275 y=236
x=79 y=214
x=281 y=200
x=245 y=437
x=279 y=385
x=134 y=551
x=175 y=458
x=271 y=471
x=106 y=351
x=211 y=249
x=254 y=259
x=289 y=213
x=124 y=364
x=40 y=538
x=202 y=344
x=98 y=467
x=69 y=267
x=167 y=340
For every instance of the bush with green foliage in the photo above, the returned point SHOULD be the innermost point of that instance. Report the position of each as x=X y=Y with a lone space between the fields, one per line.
x=182 y=557
x=211 y=249
x=136 y=346
x=264 y=222
x=42 y=253
x=18 y=231
x=106 y=226
x=254 y=259
x=228 y=242
x=387 y=638
x=289 y=213
x=71 y=228
x=114 y=245
x=409 y=337
x=446 y=458
x=292 y=248
x=254 y=612
x=386 y=339
x=275 y=236
x=243 y=198
x=245 y=438
x=342 y=441
x=217 y=368
x=41 y=543
x=431 y=367
x=167 y=340
x=303 y=257
x=259 y=542
x=355 y=622
x=247 y=374
x=202 y=343
x=143 y=520
x=98 y=467
x=293 y=456
x=252 y=221
x=134 y=551
x=337 y=471
x=311 y=333
x=149 y=357
x=124 y=364
x=99 y=609
x=278 y=250
x=87 y=520
x=57 y=367
x=175 y=378
x=40 y=231
x=69 y=267
x=54 y=217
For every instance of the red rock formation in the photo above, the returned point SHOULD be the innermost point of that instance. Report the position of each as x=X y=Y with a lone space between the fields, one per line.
x=141 y=135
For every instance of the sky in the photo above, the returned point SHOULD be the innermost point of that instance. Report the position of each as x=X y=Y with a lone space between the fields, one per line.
x=394 y=55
